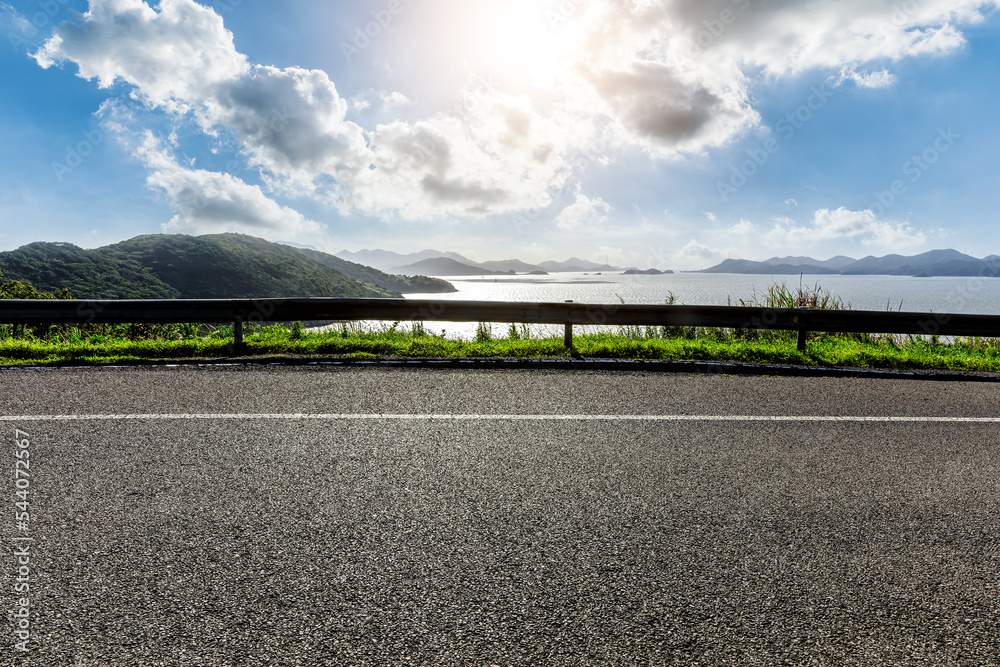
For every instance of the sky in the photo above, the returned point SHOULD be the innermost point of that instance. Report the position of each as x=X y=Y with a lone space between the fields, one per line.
x=666 y=134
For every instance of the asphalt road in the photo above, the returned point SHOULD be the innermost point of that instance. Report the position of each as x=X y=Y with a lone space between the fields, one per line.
x=510 y=529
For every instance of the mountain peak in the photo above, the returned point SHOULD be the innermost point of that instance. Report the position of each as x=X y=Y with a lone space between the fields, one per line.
x=944 y=262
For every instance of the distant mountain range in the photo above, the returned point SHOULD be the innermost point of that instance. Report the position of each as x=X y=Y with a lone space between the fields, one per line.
x=432 y=263
x=220 y=266
x=384 y=260
x=444 y=266
x=406 y=283
x=931 y=263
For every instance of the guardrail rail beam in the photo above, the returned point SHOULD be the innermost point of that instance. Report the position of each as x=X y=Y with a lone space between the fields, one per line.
x=240 y=311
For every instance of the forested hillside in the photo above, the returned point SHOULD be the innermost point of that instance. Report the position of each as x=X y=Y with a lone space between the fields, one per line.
x=157 y=266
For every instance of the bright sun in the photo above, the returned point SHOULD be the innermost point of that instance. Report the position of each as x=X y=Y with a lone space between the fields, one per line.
x=513 y=39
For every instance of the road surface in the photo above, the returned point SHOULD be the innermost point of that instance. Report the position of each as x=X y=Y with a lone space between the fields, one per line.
x=388 y=516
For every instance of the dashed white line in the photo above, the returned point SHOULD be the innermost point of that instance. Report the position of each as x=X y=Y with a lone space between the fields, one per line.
x=500 y=417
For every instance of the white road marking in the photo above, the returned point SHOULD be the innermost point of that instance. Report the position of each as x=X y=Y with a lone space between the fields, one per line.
x=501 y=417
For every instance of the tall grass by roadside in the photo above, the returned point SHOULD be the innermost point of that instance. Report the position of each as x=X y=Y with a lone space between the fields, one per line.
x=774 y=296
x=783 y=296
x=399 y=342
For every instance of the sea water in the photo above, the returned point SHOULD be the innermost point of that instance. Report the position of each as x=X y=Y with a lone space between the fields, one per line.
x=879 y=293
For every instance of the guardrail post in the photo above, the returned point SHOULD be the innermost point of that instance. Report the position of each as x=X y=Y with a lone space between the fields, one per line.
x=568 y=334
x=800 y=328
x=238 y=334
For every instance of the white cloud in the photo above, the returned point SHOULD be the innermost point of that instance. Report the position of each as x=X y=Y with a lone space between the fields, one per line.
x=10 y=17
x=611 y=255
x=843 y=223
x=664 y=110
x=742 y=228
x=426 y=170
x=212 y=202
x=536 y=252
x=697 y=255
x=360 y=103
x=583 y=211
x=794 y=37
x=379 y=100
x=671 y=78
x=879 y=79
x=291 y=123
x=174 y=55
x=505 y=160
x=395 y=99
x=179 y=57
x=894 y=236
x=711 y=216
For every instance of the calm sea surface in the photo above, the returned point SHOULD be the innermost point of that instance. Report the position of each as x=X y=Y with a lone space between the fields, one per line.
x=941 y=295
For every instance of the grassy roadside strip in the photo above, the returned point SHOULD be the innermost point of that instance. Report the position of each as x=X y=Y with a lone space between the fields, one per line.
x=277 y=341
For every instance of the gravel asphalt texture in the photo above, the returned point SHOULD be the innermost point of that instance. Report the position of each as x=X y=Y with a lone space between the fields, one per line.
x=462 y=542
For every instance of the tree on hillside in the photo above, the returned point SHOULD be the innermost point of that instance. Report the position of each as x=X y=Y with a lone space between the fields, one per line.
x=13 y=289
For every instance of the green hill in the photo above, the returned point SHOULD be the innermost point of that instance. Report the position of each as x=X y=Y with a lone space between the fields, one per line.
x=87 y=274
x=157 y=266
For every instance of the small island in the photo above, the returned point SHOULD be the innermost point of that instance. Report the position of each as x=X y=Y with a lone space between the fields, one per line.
x=646 y=272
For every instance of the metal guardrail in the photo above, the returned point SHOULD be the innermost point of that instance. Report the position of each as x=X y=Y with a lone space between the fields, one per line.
x=240 y=311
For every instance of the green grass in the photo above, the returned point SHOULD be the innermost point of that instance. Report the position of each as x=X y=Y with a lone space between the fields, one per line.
x=115 y=344
x=123 y=344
